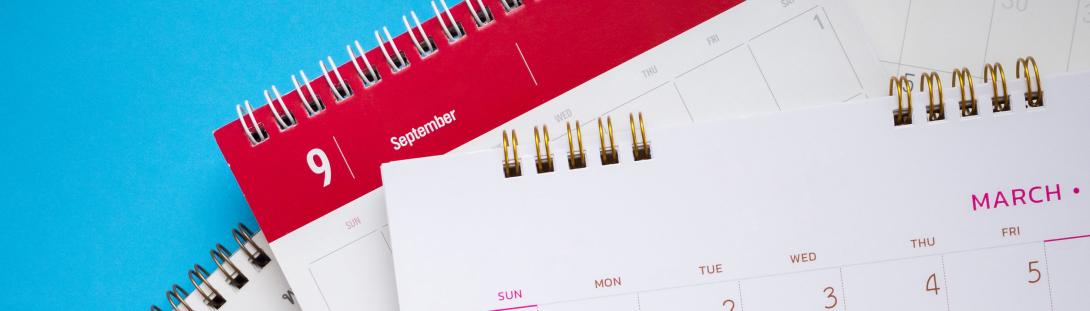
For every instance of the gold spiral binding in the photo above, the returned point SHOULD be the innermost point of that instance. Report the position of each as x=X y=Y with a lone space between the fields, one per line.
x=934 y=112
x=641 y=149
x=243 y=236
x=212 y=299
x=544 y=164
x=903 y=115
x=999 y=103
x=220 y=256
x=512 y=167
x=576 y=157
x=609 y=153
x=1033 y=98
x=968 y=107
x=178 y=293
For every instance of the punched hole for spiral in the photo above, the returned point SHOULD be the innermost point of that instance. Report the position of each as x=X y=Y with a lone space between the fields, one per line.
x=509 y=5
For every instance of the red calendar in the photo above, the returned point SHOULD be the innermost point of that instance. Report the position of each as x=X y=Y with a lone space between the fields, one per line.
x=308 y=160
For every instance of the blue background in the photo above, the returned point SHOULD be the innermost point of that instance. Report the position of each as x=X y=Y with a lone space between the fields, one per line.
x=114 y=186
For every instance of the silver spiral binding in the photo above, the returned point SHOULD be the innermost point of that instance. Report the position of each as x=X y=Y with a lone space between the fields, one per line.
x=255 y=132
x=371 y=76
x=543 y=161
x=198 y=276
x=212 y=297
x=244 y=238
x=222 y=257
x=482 y=17
x=176 y=297
x=510 y=5
x=425 y=45
x=341 y=90
x=455 y=31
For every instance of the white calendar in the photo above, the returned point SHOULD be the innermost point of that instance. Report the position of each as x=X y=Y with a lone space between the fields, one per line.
x=911 y=36
x=962 y=205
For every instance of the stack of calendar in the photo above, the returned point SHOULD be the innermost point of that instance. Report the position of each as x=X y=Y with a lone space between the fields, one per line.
x=707 y=155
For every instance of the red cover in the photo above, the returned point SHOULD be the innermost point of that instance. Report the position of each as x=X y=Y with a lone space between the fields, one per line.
x=482 y=77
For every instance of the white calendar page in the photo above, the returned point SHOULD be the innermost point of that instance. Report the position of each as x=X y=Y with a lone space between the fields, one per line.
x=831 y=208
x=913 y=36
x=745 y=61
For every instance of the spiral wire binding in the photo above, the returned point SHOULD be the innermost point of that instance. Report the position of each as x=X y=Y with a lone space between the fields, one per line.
x=244 y=237
x=455 y=31
x=221 y=256
x=482 y=17
x=608 y=153
x=512 y=167
x=641 y=147
x=177 y=293
x=968 y=107
x=198 y=276
x=510 y=5
x=425 y=48
x=999 y=103
x=287 y=119
x=543 y=164
x=341 y=91
x=313 y=105
x=212 y=298
x=371 y=76
x=395 y=57
x=903 y=114
x=962 y=79
x=254 y=131
x=934 y=112
x=576 y=157
x=1033 y=98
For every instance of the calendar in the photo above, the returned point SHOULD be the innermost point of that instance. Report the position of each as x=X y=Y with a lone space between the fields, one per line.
x=308 y=160
x=968 y=199
x=911 y=36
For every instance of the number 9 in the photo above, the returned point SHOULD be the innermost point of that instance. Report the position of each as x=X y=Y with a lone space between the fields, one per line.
x=323 y=167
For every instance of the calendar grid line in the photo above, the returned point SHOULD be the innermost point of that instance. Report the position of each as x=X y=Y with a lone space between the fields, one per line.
x=842 y=48
x=1048 y=275
x=904 y=37
x=842 y=289
x=765 y=79
x=945 y=284
x=1074 y=31
x=782 y=23
x=683 y=104
x=988 y=38
x=741 y=303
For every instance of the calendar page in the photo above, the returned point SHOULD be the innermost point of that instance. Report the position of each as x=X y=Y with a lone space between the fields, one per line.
x=937 y=35
x=315 y=186
x=831 y=208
